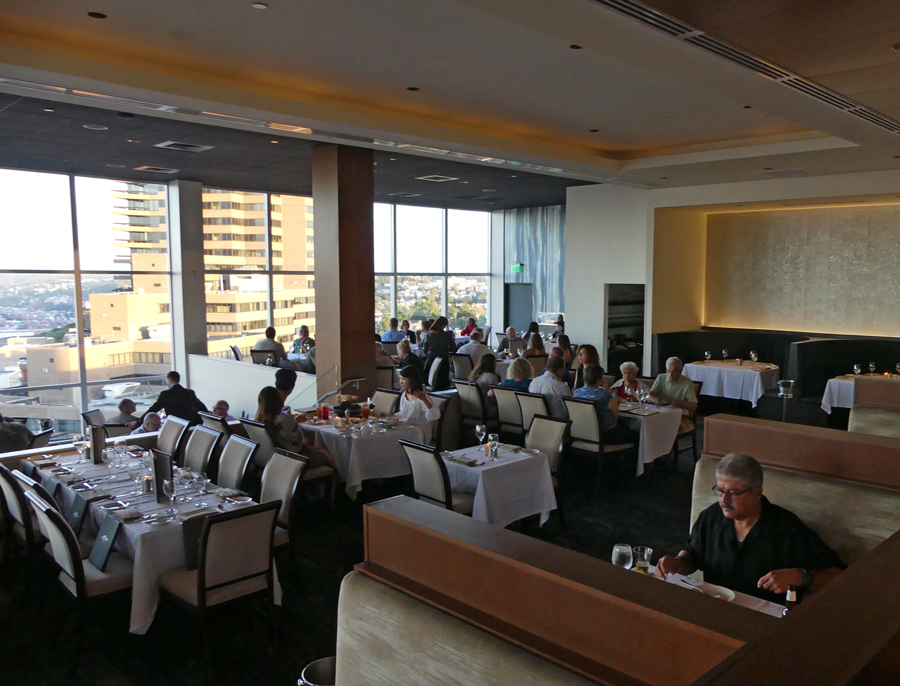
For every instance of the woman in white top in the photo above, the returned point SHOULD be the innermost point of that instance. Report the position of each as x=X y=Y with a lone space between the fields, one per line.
x=629 y=381
x=415 y=406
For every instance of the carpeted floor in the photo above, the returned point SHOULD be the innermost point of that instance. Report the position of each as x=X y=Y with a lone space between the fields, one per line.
x=38 y=642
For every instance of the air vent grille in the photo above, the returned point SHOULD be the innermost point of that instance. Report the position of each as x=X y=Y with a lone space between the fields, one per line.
x=155 y=170
x=690 y=34
x=405 y=195
x=183 y=147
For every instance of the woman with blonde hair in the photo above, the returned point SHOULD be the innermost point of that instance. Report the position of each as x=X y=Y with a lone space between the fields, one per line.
x=519 y=375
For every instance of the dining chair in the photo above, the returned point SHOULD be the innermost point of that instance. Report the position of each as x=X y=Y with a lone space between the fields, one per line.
x=171 y=436
x=587 y=435
x=548 y=435
x=437 y=432
x=279 y=482
x=264 y=357
x=509 y=412
x=385 y=400
x=486 y=335
x=389 y=348
x=688 y=427
x=434 y=372
x=462 y=365
x=431 y=482
x=19 y=524
x=538 y=364
x=95 y=418
x=237 y=353
x=531 y=404
x=215 y=423
x=236 y=455
x=384 y=376
x=200 y=447
x=257 y=433
x=28 y=484
x=41 y=439
x=472 y=405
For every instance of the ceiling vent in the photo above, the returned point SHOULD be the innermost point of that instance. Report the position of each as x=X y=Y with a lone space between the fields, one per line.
x=437 y=178
x=183 y=147
x=786 y=173
x=405 y=195
x=155 y=170
x=690 y=34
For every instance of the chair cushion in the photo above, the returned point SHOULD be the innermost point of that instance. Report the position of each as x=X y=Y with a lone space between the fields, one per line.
x=687 y=426
x=281 y=537
x=318 y=473
x=83 y=547
x=585 y=445
x=879 y=421
x=118 y=576
x=616 y=447
x=182 y=583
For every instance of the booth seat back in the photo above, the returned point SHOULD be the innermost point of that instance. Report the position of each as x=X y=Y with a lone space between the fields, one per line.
x=852 y=518
x=387 y=638
x=820 y=359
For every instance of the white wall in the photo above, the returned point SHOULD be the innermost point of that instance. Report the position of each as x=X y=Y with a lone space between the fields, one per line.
x=607 y=230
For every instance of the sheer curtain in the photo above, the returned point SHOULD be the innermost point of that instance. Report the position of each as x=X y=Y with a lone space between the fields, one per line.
x=535 y=237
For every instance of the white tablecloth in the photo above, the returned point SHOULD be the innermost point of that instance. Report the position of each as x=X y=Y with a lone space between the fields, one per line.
x=728 y=380
x=357 y=458
x=154 y=549
x=503 y=368
x=514 y=487
x=657 y=432
x=838 y=393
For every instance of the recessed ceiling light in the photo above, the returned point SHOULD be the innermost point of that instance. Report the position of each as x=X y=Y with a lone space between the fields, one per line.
x=132 y=140
x=488 y=190
x=96 y=15
x=575 y=47
x=464 y=182
x=748 y=107
x=768 y=169
x=663 y=178
x=412 y=88
x=512 y=176
x=95 y=127
x=595 y=130
x=273 y=141
x=393 y=159
x=116 y=166
x=48 y=109
x=259 y=6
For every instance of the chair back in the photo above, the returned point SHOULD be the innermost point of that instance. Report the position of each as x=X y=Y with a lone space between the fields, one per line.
x=585 y=421
x=215 y=422
x=200 y=448
x=531 y=404
x=389 y=348
x=462 y=365
x=257 y=433
x=280 y=479
x=29 y=485
x=41 y=439
x=517 y=345
x=236 y=455
x=437 y=434
x=538 y=363
x=171 y=434
x=430 y=477
x=237 y=353
x=63 y=542
x=385 y=400
x=93 y=418
x=384 y=376
x=508 y=410
x=486 y=335
x=266 y=357
x=470 y=399
x=15 y=506
x=435 y=370
x=249 y=530
x=547 y=434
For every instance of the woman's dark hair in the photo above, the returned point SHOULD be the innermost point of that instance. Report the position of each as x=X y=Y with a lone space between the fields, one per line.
x=415 y=379
x=270 y=405
x=533 y=328
x=562 y=342
x=592 y=374
x=593 y=355
x=486 y=365
x=440 y=324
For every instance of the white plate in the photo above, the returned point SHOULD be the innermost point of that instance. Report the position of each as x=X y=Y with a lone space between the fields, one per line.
x=157 y=521
x=719 y=592
x=530 y=451
x=239 y=500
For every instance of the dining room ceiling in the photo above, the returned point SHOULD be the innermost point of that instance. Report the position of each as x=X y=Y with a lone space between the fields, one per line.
x=580 y=86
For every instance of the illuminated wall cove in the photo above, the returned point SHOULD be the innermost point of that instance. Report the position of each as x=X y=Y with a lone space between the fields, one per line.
x=829 y=270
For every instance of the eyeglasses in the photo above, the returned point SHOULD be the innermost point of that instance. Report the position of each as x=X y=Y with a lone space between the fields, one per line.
x=721 y=493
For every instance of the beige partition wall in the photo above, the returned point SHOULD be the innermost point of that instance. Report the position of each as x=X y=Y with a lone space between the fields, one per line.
x=829 y=270
x=679 y=269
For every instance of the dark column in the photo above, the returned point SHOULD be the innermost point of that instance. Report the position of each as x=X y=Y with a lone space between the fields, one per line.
x=343 y=193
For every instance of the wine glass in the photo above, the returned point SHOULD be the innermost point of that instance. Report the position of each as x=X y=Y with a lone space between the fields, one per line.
x=170 y=491
x=79 y=442
x=872 y=367
x=724 y=354
x=708 y=356
x=754 y=356
x=480 y=432
x=109 y=459
x=621 y=555
x=857 y=368
x=495 y=445
x=202 y=482
x=898 y=367
x=642 y=395
x=184 y=477
x=120 y=447
x=134 y=472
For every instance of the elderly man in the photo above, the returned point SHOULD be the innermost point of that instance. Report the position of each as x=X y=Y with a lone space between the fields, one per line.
x=382 y=359
x=126 y=415
x=675 y=389
x=474 y=348
x=550 y=385
x=220 y=409
x=393 y=334
x=151 y=423
x=511 y=336
x=746 y=543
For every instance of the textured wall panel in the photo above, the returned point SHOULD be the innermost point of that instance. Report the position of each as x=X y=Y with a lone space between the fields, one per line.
x=818 y=270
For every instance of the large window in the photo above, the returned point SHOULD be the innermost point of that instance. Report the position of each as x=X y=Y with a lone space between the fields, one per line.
x=259 y=267
x=431 y=262
x=100 y=262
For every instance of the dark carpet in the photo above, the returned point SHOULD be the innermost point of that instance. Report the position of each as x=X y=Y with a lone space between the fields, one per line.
x=41 y=637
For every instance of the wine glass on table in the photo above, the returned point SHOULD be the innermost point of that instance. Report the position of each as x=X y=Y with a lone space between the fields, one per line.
x=754 y=356
x=134 y=472
x=872 y=367
x=202 y=481
x=120 y=447
x=725 y=354
x=708 y=356
x=494 y=440
x=170 y=491
x=480 y=432
x=898 y=367
x=79 y=442
x=621 y=555
x=857 y=368
x=109 y=459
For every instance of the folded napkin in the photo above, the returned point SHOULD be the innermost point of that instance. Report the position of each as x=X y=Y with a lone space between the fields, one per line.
x=94 y=495
x=126 y=514
x=69 y=479
x=184 y=516
x=44 y=463
x=225 y=492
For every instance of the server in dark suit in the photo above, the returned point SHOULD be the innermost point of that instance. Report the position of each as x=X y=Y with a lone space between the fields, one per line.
x=178 y=400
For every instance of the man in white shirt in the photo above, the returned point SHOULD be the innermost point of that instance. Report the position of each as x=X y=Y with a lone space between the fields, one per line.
x=550 y=385
x=474 y=348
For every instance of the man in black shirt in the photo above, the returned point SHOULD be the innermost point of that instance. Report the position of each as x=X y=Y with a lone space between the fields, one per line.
x=747 y=544
x=178 y=400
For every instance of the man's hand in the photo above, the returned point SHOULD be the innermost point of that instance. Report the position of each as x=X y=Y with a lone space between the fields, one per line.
x=668 y=564
x=779 y=580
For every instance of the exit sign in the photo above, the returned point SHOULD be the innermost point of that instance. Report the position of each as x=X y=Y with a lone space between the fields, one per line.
x=518 y=268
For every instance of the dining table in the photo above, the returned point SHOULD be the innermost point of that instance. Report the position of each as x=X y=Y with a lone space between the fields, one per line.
x=735 y=379
x=656 y=426
x=839 y=390
x=155 y=546
x=358 y=456
x=730 y=596
x=517 y=485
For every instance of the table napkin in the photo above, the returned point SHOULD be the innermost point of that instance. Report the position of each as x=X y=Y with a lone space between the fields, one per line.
x=69 y=479
x=44 y=463
x=225 y=492
x=184 y=516
x=94 y=495
x=126 y=514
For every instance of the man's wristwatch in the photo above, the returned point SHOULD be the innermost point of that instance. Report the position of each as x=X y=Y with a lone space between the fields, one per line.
x=807 y=579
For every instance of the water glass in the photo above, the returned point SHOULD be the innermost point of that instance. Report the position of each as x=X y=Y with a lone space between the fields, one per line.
x=642 y=559
x=134 y=473
x=707 y=355
x=202 y=482
x=170 y=491
x=724 y=354
x=872 y=367
x=79 y=442
x=754 y=356
x=857 y=369
x=480 y=432
x=120 y=446
x=109 y=459
x=621 y=555
x=495 y=446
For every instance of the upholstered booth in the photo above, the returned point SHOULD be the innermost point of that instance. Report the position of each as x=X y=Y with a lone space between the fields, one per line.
x=876 y=407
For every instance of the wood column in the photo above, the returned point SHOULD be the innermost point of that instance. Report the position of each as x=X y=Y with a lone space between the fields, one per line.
x=343 y=194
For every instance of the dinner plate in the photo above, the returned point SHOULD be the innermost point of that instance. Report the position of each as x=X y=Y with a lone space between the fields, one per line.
x=530 y=451
x=239 y=500
x=719 y=592
x=158 y=520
